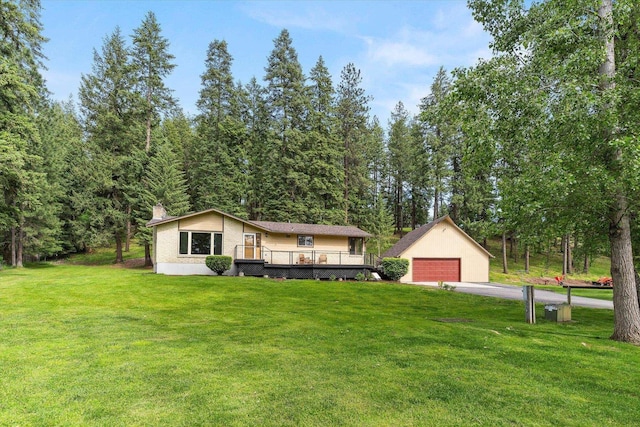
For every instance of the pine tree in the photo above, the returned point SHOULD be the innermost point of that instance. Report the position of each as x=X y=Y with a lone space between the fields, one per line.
x=110 y=112
x=401 y=157
x=219 y=176
x=163 y=182
x=258 y=123
x=288 y=103
x=152 y=63
x=353 y=118
x=21 y=89
x=439 y=138
x=323 y=152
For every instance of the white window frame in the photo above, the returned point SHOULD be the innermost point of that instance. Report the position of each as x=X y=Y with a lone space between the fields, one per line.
x=189 y=243
x=306 y=240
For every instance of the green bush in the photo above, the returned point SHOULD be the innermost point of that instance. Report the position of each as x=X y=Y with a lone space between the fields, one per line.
x=218 y=263
x=395 y=268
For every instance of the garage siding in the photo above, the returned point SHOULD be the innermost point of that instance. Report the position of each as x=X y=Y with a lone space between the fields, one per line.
x=446 y=241
x=436 y=269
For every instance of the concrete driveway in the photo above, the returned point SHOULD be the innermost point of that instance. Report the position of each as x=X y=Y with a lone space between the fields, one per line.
x=498 y=290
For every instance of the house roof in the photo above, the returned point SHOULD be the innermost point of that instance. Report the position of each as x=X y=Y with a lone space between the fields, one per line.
x=158 y=221
x=413 y=236
x=314 y=229
x=277 y=227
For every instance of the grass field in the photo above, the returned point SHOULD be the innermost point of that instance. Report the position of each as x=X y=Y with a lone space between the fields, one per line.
x=101 y=345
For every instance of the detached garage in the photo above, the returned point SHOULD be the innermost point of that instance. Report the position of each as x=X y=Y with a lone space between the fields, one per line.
x=441 y=251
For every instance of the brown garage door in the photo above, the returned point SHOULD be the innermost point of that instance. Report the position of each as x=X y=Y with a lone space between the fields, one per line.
x=436 y=269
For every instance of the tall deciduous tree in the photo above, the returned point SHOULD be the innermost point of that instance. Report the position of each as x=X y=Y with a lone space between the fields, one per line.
x=570 y=48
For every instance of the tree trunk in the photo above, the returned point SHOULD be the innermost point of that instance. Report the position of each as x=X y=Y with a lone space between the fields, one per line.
x=585 y=266
x=435 y=204
x=569 y=255
x=414 y=209
x=127 y=242
x=626 y=308
x=147 y=255
x=19 y=248
x=13 y=247
x=564 y=255
x=625 y=293
x=119 y=259
x=526 y=259
x=147 y=145
x=505 y=270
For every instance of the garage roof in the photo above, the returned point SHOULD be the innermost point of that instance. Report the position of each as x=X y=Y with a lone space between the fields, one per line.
x=413 y=236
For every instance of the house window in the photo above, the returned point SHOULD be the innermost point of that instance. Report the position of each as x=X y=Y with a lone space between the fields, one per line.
x=199 y=243
x=306 y=241
x=355 y=245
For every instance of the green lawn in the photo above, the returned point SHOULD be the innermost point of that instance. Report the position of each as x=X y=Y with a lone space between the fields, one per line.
x=108 y=346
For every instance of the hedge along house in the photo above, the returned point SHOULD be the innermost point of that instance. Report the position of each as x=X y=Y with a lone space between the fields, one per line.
x=441 y=251
x=258 y=248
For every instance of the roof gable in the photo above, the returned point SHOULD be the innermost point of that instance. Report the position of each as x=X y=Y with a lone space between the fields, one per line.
x=413 y=236
x=277 y=227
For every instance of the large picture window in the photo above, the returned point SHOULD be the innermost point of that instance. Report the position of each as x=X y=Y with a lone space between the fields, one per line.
x=355 y=245
x=200 y=243
x=306 y=241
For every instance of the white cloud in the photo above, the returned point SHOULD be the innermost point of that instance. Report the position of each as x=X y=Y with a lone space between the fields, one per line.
x=309 y=17
x=401 y=52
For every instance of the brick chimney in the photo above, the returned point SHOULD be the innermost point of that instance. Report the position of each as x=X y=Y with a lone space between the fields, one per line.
x=159 y=212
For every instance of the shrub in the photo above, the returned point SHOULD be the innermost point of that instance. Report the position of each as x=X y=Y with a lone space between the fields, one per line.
x=395 y=268
x=218 y=263
x=360 y=277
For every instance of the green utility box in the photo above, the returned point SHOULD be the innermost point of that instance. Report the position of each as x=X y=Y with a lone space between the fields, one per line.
x=557 y=312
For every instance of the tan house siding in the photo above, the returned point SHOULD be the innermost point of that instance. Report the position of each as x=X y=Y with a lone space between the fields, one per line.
x=206 y=222
x=445 y=241
x=280 y=247
x=232 y=236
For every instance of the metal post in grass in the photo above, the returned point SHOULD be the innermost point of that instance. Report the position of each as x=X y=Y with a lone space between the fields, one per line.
x=529 y=304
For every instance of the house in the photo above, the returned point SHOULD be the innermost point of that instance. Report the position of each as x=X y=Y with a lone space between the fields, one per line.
x=258 y=248
x=441 y=251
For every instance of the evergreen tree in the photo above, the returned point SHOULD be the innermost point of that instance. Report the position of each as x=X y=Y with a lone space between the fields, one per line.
x=353 y=118
x=219 y=176
x=401 y=157
x=152 y=63
x=323 y=152
x=21 y=89
x=288 y=103
x=258 y=123
x=439 y=138
x=163 y=182
x=110 y=111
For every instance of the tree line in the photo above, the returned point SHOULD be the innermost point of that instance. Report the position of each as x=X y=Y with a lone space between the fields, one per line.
x=537 y=144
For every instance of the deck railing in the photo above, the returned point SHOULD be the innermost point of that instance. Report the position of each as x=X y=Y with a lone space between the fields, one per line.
x=302 y=257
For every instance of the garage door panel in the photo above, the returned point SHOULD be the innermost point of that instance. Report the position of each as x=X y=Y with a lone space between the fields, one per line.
x=436 y=269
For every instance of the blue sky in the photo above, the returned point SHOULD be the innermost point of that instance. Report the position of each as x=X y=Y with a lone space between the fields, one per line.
x=397 y=45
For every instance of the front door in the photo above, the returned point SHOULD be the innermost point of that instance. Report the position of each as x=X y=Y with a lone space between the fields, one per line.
x=249 y=245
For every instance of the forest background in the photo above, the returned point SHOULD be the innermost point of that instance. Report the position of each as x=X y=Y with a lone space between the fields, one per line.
x=536 y=144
